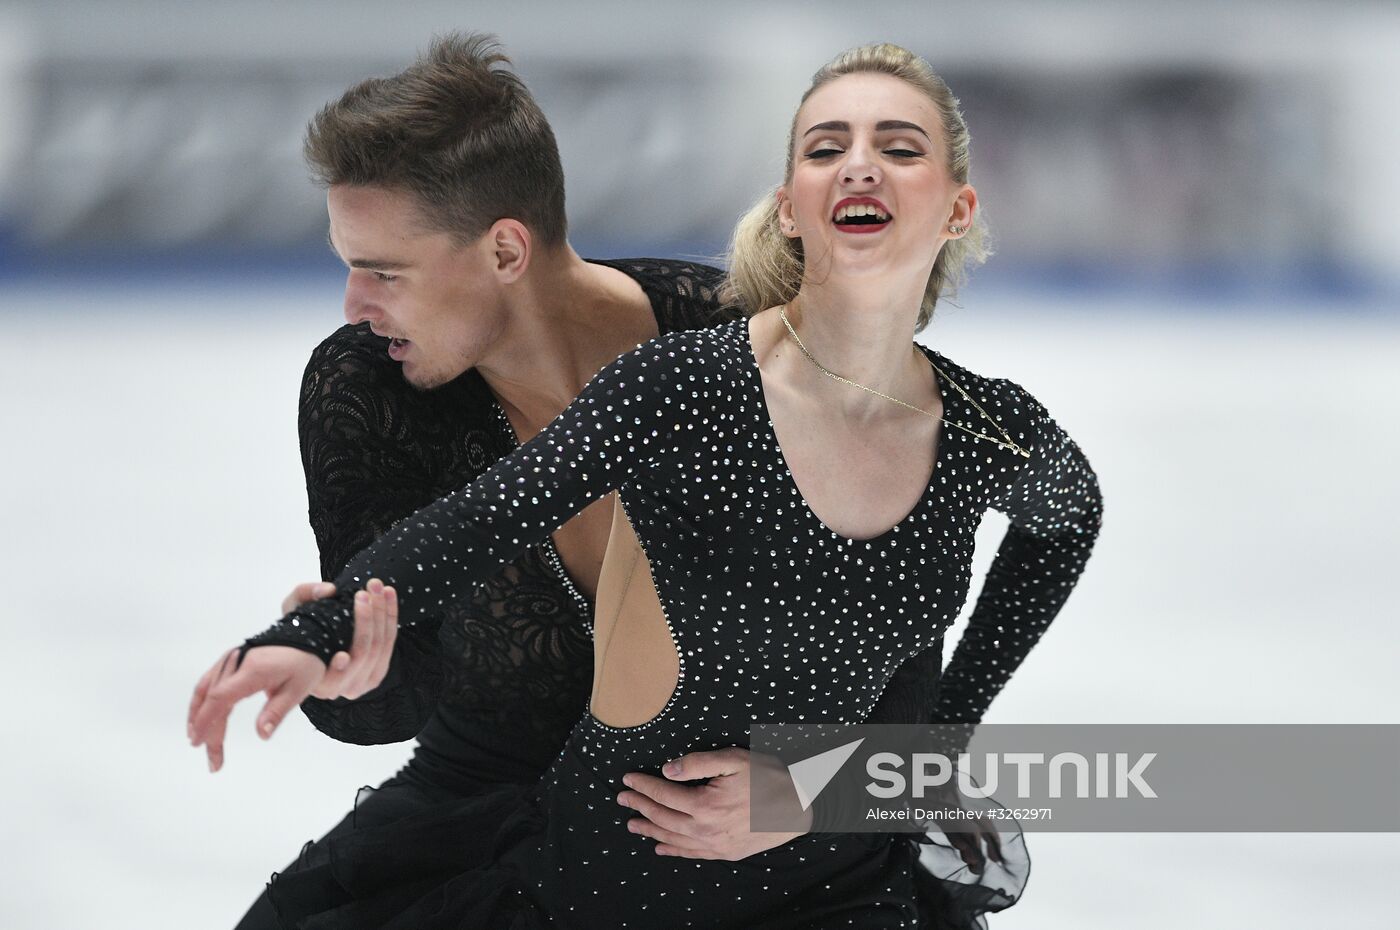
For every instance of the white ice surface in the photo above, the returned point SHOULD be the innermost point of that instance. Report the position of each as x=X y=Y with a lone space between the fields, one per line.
x=154 y=515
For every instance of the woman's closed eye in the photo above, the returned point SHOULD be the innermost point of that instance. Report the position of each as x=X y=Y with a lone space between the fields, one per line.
x=898 y=153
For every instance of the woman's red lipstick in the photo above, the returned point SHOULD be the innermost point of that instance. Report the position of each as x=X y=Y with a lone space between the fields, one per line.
x=874 y=217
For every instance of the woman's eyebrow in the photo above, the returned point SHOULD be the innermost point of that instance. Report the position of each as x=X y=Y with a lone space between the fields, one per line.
x=829 y=126
x=885 y=125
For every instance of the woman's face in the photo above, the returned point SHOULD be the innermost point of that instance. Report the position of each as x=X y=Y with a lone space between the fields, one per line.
x=870 y=192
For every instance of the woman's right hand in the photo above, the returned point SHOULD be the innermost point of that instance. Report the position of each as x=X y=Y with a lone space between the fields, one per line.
x=289 y=676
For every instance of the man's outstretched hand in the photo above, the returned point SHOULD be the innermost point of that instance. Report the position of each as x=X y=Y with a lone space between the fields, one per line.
x=289 y=676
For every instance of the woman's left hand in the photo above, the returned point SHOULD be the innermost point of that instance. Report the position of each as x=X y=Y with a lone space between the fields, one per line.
x=709 y=821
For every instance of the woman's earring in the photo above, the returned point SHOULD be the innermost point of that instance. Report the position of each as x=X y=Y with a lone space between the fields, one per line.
x=957 y=230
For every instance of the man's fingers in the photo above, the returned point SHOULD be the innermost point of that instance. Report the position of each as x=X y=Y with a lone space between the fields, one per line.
x=359 y=645
x=680 y=844
x=685 y=798
x=365 y=661
x=329 y=685
x=353 y=674
x=709 y=764
x=665 y=849
x=381 y=611
x=364 y=616
x=367 y=664
x=388 y=632
x=306 y=591
x=658 y=814
x=368 y=604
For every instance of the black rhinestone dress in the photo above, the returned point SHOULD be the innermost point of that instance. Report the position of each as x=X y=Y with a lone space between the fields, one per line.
x=492 y=702
x=776 y=619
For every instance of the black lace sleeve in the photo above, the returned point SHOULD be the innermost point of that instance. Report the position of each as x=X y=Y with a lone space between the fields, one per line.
x=371 y=456
x=685 y=295
x=637 y=411
x=1056 y=509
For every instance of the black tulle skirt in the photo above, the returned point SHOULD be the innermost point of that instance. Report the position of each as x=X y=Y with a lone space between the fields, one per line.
x=415 y=859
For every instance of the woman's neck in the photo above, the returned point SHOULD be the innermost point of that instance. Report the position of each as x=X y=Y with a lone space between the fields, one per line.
x=861 y=333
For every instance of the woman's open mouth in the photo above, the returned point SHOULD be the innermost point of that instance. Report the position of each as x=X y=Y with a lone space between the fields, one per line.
x=861 y=215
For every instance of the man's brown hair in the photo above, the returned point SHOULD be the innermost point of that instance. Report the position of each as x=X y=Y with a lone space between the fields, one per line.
x=461 y=134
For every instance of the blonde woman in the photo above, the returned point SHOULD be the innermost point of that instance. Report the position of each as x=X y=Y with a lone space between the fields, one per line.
x=799 y=491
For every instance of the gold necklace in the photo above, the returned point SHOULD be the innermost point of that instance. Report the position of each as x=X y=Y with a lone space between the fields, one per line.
x=1009 y=444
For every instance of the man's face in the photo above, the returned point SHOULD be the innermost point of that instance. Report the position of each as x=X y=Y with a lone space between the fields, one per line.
x=435 y=298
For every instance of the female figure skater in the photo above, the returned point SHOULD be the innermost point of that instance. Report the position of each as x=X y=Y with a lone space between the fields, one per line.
x=804 y=486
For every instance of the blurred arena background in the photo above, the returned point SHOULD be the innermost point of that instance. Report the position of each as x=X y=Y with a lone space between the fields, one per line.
x=1197 y=203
